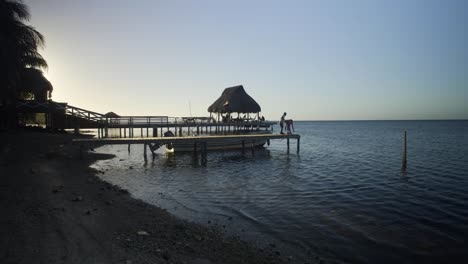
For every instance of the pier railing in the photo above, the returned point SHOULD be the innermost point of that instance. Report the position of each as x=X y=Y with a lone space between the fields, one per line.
x=136 y=120
x=84 y=114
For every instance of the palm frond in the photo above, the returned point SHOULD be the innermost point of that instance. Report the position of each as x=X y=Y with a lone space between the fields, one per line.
x=14 y=9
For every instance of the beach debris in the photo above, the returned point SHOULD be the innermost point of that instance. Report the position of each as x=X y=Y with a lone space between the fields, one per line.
x=142 y=233
x=77 y=199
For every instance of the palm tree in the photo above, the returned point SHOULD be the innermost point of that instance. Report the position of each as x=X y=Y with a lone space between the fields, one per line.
x=19 y=45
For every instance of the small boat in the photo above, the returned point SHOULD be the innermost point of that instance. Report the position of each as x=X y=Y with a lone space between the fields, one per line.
x=221 y=144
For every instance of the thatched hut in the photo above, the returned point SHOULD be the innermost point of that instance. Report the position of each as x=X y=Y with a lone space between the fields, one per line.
x=234 y=100
x=34 y=86
x=111 y=115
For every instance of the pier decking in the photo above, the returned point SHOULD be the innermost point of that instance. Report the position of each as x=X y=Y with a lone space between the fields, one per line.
x=196 y=140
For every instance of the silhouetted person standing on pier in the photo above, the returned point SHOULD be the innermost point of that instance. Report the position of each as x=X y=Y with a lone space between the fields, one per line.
x=281 y=123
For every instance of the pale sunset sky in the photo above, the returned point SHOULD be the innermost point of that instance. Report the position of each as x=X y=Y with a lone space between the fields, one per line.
x=316 y=60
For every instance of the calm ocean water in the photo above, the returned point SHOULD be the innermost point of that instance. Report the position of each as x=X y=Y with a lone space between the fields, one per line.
x=343 y=199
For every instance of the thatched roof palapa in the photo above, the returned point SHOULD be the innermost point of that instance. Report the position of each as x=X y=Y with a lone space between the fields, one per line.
x=33 y=81
x=235 y=100
x=111 y=115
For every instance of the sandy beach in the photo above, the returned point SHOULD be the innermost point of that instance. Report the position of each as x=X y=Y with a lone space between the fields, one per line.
x=55 y=210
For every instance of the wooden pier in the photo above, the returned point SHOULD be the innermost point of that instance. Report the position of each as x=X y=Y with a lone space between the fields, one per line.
x=201 y=141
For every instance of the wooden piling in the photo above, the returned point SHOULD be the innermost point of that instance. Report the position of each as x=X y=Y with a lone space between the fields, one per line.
x=287 y=142
x=403 y=164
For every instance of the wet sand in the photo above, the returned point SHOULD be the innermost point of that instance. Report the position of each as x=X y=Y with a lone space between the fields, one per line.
x=55 y=210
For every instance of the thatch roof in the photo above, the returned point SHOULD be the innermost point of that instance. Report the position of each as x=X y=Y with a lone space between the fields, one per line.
x=33 y=81
x=111 y=114
x=235 y=100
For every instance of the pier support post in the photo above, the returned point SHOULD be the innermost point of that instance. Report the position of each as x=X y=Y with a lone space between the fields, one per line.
x=243 y=146
x=287 y=142
x=203 y=153
x=144 y=150
x=128 y=148
x=81 y=151
x=268 y=142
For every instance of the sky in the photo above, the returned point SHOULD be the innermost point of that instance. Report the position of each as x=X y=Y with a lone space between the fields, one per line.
x=315 y=60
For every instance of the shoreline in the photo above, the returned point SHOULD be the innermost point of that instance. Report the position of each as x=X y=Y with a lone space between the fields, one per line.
x=57 y=210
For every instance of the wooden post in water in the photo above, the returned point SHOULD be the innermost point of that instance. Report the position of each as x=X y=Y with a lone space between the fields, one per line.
x=403 y=162
x=144 y=150
x=128 y=148
x=287 y=142
x=298 y=144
